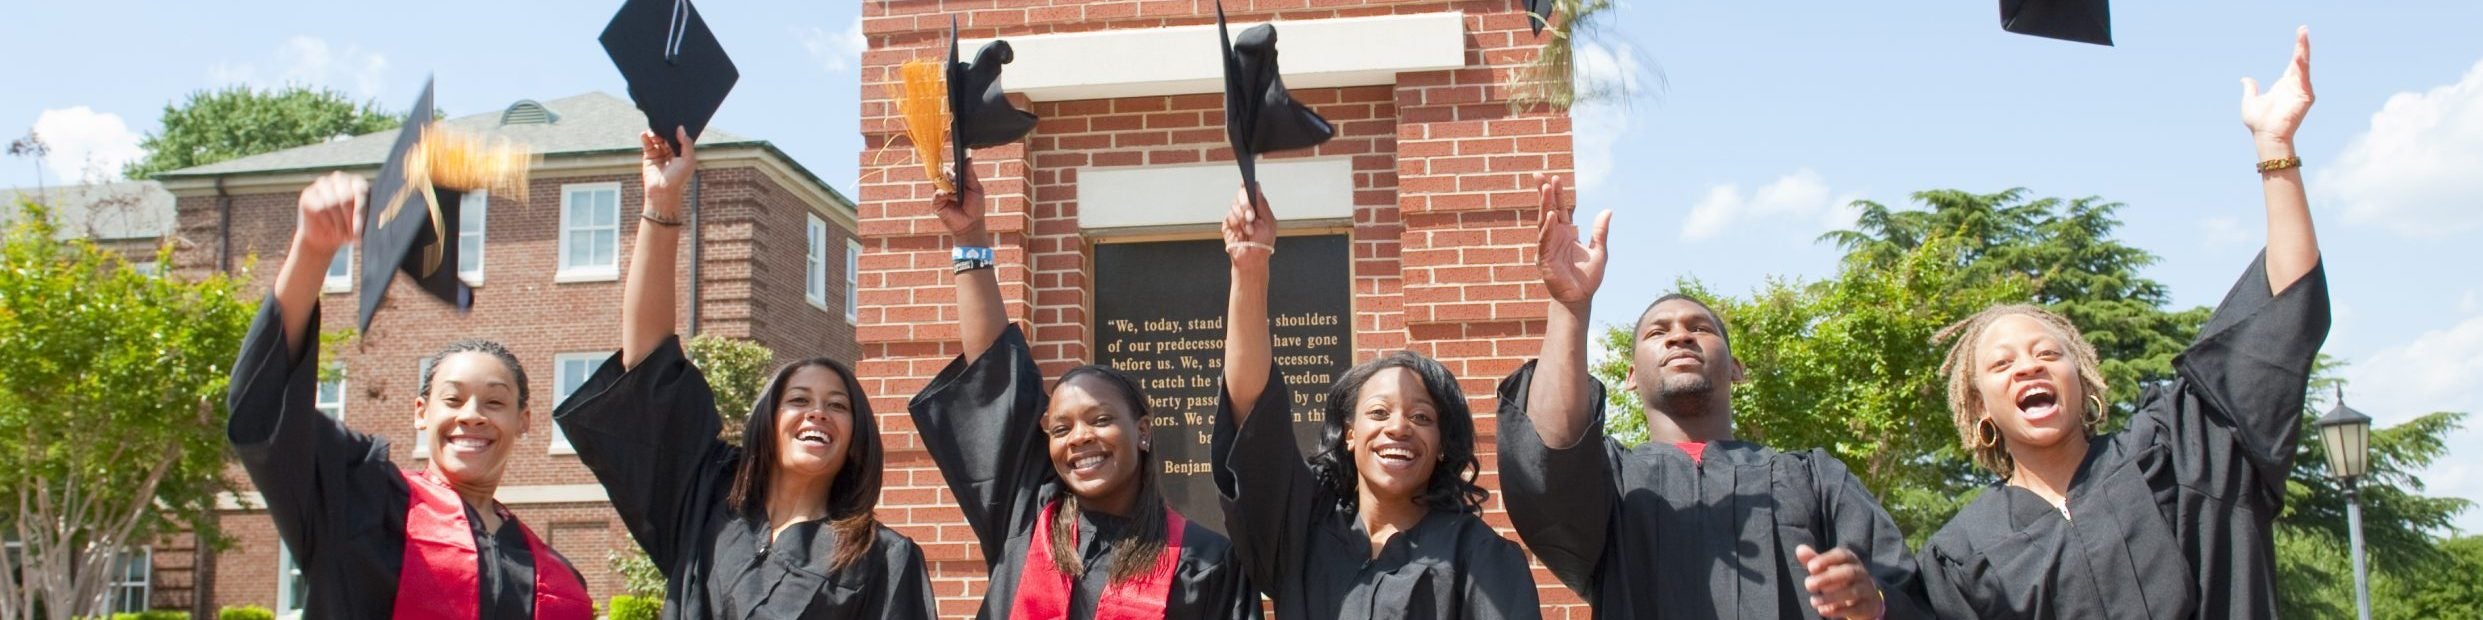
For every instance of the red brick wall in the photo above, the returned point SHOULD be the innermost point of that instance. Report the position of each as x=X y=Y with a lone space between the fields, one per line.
x=752 y=287
x=1442 y=222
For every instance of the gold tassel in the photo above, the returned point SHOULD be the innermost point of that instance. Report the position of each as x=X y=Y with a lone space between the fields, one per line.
x=922 y=98
x=464 y=161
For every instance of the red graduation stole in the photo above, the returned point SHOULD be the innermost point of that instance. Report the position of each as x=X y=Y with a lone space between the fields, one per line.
x=1043 y=592
x=439 y=578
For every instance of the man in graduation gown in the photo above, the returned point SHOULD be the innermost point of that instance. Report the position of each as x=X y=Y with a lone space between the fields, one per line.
x=375 y=541
x=1694 y=523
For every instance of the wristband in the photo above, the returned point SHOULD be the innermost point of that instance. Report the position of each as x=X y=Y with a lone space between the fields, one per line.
x=968 y=258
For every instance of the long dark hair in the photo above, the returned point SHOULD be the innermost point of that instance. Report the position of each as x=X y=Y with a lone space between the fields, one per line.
x=1452 y=487
x=852 y=496
x=1146 y=519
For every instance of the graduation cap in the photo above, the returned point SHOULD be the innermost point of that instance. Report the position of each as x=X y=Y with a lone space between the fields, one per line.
x=677 y=71
x=980 y=115
x=410 y=218
x=1259 y=115
x=2083 y=21
x=1538 y=13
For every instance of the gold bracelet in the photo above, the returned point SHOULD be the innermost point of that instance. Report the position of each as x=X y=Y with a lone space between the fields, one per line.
x=2273 y=165
x=667 y=222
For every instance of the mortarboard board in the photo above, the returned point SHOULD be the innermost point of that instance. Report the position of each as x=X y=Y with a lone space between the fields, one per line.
x=678 y=73
x=1538 y=13
x=411 y=215
x=2083 y=21
x=980 y=115
x=1259 y=115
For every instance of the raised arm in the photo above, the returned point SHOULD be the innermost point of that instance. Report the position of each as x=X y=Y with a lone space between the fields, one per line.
x=328 y=216
x=647 y=293
x=980 y=316
x=1250 y=240
x=1558 y=401
x=2272 y=116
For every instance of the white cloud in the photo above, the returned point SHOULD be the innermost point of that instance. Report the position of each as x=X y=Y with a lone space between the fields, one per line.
x=311 y=61
x=86 y=145
x=840 y=51
x=1597 y=124
x=2222 y=231
x=1801 y=195
x=2414 y=171
x=2436 y=371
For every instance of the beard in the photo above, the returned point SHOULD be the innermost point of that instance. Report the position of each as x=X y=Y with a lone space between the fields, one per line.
x=1687 y=393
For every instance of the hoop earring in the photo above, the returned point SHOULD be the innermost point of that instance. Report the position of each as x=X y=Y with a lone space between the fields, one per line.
x=1991 y=439
x=2094 y=417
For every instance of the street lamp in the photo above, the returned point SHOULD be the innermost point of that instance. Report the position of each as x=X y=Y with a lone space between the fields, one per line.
x=2346 y=434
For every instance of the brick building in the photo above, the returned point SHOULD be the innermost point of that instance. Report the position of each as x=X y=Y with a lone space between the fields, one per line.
x=769 y=258
x=1426 y=181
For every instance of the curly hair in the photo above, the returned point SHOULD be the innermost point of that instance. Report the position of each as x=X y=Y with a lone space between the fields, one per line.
x=1965 y=401
x=1452 y=487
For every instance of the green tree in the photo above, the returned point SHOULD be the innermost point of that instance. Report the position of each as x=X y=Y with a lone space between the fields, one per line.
x=736 y=370
x=111 y=410
x=240 y=121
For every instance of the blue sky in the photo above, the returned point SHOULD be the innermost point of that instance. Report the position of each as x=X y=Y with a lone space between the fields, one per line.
x=1754 y=122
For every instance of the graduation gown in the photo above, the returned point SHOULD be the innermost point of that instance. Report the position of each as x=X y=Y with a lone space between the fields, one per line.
x=2172 y=516
x=649 y=434
x=1647 y=532
x=1315 y=559
x=981 y=422
x=338 y=502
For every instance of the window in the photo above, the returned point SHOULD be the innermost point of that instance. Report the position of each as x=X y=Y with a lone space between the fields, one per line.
x=340 y=271
x=470 y=216
x=132 y=572
x=853 y=281
x=331 y=399
x=291 y=589
x=815 y=263
x=147 y=268
x=590 y=232
x=422 y=439
x=570 y=370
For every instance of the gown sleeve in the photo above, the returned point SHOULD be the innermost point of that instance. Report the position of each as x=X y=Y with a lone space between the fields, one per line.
x=649 y=434
x=1858 y=523
x=980 y=423
x=2243 y=379
x=907 y=593
x=1499 y=584
x=307 y=466
x=1944 y=592
x=1560 y=500
x=1269 y=493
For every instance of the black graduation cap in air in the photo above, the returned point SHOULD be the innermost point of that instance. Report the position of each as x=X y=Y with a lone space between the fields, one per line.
x=409 y=225
x=2083 y=21
x=1259 y=115
x=678 y=73
x=980 y=115
x=1538 y=13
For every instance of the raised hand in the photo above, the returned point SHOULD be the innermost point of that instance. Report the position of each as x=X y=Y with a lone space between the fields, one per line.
x=663 y=173
x=1249 y=230
x=330 y=213
x=2272 y=116
x=1571 y=271
x=1840 y=586
x=962 y=213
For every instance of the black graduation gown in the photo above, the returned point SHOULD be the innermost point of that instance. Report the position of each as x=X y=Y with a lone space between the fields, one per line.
x=1649 y=533
x=2172 y=516
x=649 y=434
x=981 y=423
x=1316 y=559
x=338 y=502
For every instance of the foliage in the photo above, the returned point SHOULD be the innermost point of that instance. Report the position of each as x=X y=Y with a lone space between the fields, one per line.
x=153 y=614
x=736 y=370
x=245 y=612
x=626 y=607
x=2402 y=529
x=640 y=576
x=111 y=411
x=240 y=121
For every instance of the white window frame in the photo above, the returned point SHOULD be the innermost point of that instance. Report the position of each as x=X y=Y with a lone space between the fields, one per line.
x=815 y=261
x=563 y=383
x=117 y=581
x=853 y=282
x=339 y=282
x=475 y=207
x=319 y=398
x=422 y=438
x=287 y=573
x=588 y=273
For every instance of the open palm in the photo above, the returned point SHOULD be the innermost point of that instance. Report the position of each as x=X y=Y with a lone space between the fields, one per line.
x=1572 y=271
x=2275 y=114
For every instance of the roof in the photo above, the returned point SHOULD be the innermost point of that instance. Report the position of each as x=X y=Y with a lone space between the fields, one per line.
x=105 y=211
x=589 y=124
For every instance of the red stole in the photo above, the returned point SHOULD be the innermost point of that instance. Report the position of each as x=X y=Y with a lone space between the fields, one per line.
x=1043 y=592
x=440 y=579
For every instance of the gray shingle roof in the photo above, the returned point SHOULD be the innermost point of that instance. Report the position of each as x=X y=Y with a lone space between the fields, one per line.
x=107 y=211
x=590 y=123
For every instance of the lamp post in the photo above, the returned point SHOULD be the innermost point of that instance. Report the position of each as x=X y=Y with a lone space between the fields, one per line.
x=2346 y=434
